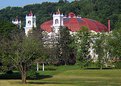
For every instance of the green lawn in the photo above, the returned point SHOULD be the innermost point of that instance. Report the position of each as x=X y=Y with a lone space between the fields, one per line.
x=72 y=76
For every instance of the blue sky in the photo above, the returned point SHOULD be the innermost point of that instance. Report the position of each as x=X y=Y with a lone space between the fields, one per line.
x=5 y=3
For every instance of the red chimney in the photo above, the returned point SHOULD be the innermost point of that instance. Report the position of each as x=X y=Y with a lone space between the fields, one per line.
x=109 y=25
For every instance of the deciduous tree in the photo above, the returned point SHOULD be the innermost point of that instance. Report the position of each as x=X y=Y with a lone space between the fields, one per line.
x=82 y=41
x=23 y=51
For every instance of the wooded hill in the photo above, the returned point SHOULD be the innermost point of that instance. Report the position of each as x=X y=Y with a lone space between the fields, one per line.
x=100 y=10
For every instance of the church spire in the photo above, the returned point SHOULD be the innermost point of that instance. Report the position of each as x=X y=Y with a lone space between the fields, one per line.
x=30 y=23
x=57 y=21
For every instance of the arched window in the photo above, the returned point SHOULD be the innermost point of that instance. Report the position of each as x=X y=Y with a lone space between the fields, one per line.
x=56 y=21
x=29 y=22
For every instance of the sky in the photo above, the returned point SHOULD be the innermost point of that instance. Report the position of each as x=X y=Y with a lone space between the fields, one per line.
x=6 y=3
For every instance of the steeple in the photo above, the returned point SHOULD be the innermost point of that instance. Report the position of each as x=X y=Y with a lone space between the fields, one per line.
x=57 y=21
x=17 y=22
x=30 y=14
x=30 y=23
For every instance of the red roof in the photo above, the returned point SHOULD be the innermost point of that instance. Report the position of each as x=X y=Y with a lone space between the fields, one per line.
x=30 y=13
x=74 y=24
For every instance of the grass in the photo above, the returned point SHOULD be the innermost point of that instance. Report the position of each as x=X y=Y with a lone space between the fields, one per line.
x=72 y=76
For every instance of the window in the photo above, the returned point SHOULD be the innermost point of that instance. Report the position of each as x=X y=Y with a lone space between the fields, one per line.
x=29 y=22
x=56 y=21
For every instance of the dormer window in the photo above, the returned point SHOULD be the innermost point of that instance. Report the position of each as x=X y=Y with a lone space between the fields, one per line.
x=56 y=21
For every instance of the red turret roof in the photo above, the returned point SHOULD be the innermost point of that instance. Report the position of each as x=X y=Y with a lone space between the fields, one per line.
x=30 y=14
x=75 y=23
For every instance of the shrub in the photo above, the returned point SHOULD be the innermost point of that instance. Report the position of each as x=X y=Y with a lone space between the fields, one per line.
x=9 y=72
x=32 y=74
x=117 y=65
x=14 y=75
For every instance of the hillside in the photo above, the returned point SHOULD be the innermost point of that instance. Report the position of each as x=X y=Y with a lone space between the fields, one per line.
x=100 y=10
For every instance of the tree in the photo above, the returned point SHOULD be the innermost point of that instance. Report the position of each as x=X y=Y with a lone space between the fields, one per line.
x=115 y=44
x=23 y=51
x=64 y=42
x=7 y=29
x=82 y=41
x=61 y=1
x=37 y=33
x=101 y=48
x=87 y=8
x=115 y=47
x=1 y=57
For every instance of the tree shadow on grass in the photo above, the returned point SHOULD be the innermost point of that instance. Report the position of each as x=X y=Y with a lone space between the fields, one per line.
x=38 y=77
x=45 y=76
x=98 y=68
x=50 y=82
x=34 y=82
x=17 y=75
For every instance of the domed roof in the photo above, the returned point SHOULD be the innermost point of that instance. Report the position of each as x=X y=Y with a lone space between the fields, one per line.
x=76 y=23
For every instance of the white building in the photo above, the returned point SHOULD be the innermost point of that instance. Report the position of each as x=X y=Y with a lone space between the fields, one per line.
x=17 y=22
x=30 y=23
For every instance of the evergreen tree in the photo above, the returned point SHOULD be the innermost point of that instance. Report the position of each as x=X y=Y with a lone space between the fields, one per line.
x=64 y=42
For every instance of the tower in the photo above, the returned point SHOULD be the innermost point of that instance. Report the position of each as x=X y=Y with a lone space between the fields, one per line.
x=30 y=23
x=57 y=21
x=17 y=22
